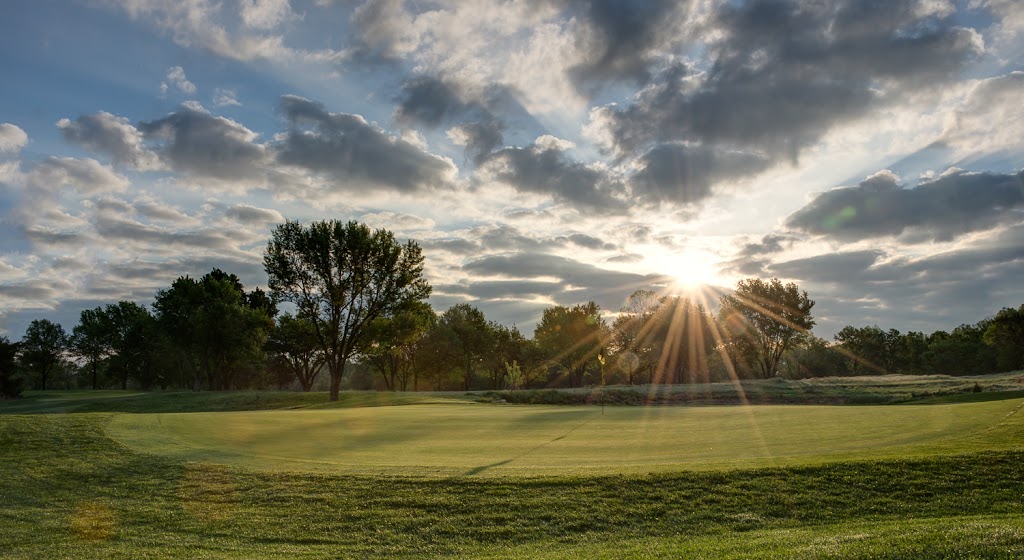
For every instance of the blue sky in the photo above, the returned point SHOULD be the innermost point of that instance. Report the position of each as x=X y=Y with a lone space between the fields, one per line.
x=541 y=151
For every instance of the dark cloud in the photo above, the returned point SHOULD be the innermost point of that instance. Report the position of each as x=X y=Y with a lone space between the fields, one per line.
x=200 y=144
x=577 y=281
x=869 y=287
x=455 y=246
x=111 y=135
x=245 y=214
x=504 y=289
x=478 y=138
x=354 y=152
x=621 y=38
x=685 y=174
x=430 y=101
x=771 y=243
x=625 y=258
x=544 y=168
x=941 y=210
x=782 y=73
x=587 y=241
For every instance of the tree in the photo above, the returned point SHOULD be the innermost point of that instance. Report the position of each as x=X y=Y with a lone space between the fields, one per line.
x=763 y=319
x=473 y=336
x=632 y=335
x=295 y=350
x=10 y=382
x=342 y=276
x=572 y=337
x=90 y=340
x=130 y=332
x=395 y=340
x=1006 y=335
x=43 y=348
x=682 y=339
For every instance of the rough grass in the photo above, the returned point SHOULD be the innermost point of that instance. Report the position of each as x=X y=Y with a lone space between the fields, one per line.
x=70 y=492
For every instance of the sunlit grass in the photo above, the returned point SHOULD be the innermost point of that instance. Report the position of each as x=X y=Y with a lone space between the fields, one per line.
x=490 y=440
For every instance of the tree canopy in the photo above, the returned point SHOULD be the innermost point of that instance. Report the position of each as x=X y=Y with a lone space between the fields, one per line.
x=342 y=276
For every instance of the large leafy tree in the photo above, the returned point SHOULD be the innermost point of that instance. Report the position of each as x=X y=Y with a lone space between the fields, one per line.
x=43 y=348
x=572 y=338
x=682 y=339
x=763 y=319
x=217 y=332
x=342 y=276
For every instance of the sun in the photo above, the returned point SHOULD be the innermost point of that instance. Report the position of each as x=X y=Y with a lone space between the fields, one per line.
x=687 y=271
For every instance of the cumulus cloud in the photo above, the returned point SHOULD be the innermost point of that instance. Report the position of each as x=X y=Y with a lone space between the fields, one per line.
x=176 y=77
x=86 y=176
x=781 y=74
x=990 y=118
x=941 y=209
x=223 y=97
x=356 y=153
x=198 y=143
x=104 y=133
x=686 y=174
x=544 y=167
x=12 y=138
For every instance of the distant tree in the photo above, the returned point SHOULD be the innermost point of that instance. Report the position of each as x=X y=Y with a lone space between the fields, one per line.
x=811 y=356
x=473 y=336
x=130 y=333
x=90 y=341
x=633 y=337
x=42 y=349
x=342 y=276
x=217 y=335
x=11 y=383
x=395 y=340
x=295 y=350
x=763 y=319
x=1005 y=334
x=682 y=339
x=510 y=346
x=960 y=352
x=866 y=349
x=572 y=337
x=437 y=358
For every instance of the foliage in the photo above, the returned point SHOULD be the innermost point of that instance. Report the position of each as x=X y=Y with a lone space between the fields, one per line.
x=1006 y=334
x=11 y=384
x=572 y=337
x=342 y=276
x=395 y=340
x=295 y=352
x=762 y=320
x=43 y=350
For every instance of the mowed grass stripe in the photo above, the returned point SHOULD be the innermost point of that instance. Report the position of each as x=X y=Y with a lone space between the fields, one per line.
x=486 y=440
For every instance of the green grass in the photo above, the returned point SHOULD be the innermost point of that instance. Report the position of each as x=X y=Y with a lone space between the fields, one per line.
x=953 y=486
x=494 y=440
x=70 y=492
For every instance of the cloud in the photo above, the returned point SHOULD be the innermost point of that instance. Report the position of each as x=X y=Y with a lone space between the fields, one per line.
x=544 y=168
x=265 y=14
x=200 y=144
x=685 y=174
x=993 y=101
x=397 y=222
x=176 y=77
x=251 y=215
x=86 y=176
x=781 y=74
x=355 y=153
x=12 y=138
x=619 y=40
x=941 y=209
x=225 y=98
x=108 y=134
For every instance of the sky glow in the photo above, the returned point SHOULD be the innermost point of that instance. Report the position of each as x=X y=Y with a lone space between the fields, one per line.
x=542 y=152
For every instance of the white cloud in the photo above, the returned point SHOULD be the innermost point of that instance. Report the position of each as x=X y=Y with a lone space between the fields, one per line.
x=223 y=97
x=12 y=138
x=265 y=14
x=112 y=135
x=176 y=77
x=87 y=176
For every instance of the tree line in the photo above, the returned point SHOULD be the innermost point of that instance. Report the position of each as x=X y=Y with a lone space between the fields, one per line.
x=356 y=316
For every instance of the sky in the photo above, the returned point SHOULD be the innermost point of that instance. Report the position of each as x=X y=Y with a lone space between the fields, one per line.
x=541 y=152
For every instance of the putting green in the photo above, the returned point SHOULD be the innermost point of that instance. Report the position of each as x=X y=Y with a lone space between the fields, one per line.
x=491 y=440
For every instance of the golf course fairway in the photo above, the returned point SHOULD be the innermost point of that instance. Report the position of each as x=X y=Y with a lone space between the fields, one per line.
x=501 y=440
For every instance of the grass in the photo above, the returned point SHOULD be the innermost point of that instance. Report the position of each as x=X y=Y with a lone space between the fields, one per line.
x=70 y=491
x=490 y=440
